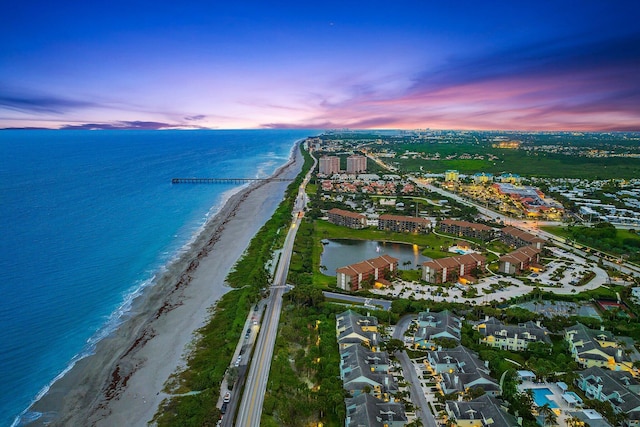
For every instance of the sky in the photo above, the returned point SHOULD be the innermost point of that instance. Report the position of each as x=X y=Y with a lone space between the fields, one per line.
x=525 y=65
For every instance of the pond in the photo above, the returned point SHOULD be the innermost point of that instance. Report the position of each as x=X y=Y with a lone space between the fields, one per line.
x=340 y=252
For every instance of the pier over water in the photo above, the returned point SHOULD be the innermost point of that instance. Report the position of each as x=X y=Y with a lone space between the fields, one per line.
x=223 y=180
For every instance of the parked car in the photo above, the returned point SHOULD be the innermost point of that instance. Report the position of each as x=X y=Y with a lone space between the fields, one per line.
x=227 y=397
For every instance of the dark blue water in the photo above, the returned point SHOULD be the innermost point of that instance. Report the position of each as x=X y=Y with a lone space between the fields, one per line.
x=87 y=219
x=338 y=253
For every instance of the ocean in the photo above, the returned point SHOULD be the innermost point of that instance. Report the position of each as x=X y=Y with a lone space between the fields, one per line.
x=88 y=219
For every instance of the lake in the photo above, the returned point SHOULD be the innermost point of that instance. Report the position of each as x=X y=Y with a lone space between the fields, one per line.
x=341 y=252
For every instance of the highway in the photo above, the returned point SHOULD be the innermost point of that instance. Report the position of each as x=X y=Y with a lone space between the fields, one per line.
x=250 y=410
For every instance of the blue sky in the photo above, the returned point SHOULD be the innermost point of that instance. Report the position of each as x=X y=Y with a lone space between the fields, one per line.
x=461 y=65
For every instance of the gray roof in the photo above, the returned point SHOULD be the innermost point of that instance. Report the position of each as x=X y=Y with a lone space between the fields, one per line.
x=357 y=355
x=443 y=324
x=616 y=388
x=529 y=331
x=485 y=408
x=585 y=339
x=350 y=322
x=366 y=411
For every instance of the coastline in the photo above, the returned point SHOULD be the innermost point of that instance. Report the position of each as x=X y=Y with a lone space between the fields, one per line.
x=121 y=382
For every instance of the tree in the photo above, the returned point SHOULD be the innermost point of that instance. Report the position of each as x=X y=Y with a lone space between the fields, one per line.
x=548 y=416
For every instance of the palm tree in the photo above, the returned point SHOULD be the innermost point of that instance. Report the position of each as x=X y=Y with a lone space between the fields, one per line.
x=549 y=417
x=574 y=421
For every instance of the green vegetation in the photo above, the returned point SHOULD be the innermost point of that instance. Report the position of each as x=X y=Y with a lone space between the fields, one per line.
x=304 y=382
x=212 y=351
x=603 y=237
x=544 y=164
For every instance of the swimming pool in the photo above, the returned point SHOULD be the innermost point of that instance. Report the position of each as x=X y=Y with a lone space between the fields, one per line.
x=540 y=397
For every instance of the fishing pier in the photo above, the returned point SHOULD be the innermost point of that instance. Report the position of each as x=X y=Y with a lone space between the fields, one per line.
x=223 y=180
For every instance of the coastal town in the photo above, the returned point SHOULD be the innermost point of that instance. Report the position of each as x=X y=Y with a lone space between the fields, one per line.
x=467 y=302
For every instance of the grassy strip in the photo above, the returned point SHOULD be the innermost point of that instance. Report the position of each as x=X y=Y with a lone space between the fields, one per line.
x=211 y=352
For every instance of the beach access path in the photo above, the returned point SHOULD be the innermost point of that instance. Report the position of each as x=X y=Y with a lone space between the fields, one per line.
x=122 y=382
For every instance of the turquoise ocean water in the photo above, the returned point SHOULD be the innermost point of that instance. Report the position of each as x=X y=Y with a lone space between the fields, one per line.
x=87 y=219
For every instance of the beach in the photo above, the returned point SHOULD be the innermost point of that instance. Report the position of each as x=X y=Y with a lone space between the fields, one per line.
x=122 y=382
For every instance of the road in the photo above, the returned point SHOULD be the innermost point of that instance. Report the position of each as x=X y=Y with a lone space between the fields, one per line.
x=250 y=410
x=385 y=304
x=410 y=375
x=532 y=227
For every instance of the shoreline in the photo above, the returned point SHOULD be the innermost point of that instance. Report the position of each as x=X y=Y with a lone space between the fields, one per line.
x=121 y=382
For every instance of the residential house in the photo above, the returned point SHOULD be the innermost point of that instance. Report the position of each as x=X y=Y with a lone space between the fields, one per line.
x=350 y=277
x=355 y=329
x=600 y=348
x=400 y=224
x=479 y=412
x=460 y=370
x=434 y=325
x=520 y=260
x=347 y=218
x=366 y=410
x=358 y=355
x=466 y=229
x=511 y=337
x=453 y=268
x=618 y=388
x=515 y=237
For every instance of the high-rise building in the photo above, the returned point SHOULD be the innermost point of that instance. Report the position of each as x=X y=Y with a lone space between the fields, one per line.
x=329 y=165
x=356 y=164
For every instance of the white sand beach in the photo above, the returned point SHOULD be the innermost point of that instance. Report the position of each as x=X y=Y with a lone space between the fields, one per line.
x=121 y=383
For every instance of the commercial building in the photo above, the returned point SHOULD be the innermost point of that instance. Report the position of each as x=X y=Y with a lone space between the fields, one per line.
x=328 y=165
x=356 y=164
x=400 y=224
x=451 y=175
x=350 y=277
x=347 y=218
x=453 y=268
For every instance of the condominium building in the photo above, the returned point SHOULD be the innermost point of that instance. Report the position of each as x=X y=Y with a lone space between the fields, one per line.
x=328 y=165
x=451 y=175
x=466 y=229
x=400 y=224
x=347 y=218
x=350 y=277
x=515 y=237
x=356 y=164
x=520 y=260
x=453 y=268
